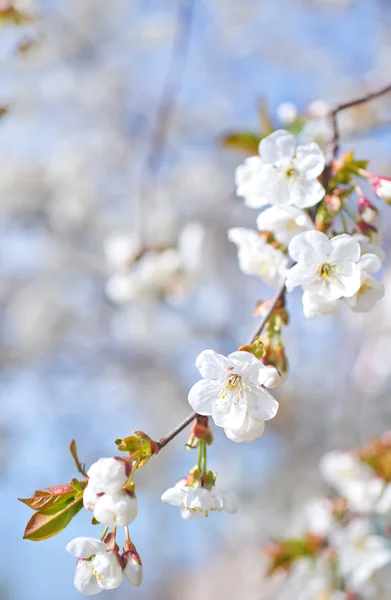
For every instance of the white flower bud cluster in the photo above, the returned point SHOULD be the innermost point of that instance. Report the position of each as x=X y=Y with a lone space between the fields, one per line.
x=104 y=495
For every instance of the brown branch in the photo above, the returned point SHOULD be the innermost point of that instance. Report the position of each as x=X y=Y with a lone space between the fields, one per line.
x=334 y=143
x=171 y=87
x=332 y=153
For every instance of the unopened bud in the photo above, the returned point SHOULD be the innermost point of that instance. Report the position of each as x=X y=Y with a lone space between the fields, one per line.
x=133 y=567
x=333 y=202
x=382 y=187
x=368 y=230
x=200 y=430
x=367 y=210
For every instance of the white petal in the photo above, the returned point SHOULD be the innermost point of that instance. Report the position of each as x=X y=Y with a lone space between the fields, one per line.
x=203 y=396
x=229 y=414
x=278 y=145
x=300 y=274
x=116 y=510
x=228 y=502
x=314 y=305
x=108 y=475
x=304 y=193
x=370 y=263
x=174 y=496
x=134 y=572
x=246 y=364
x=273 y=377
x=310 y=160
x=344 y=248
x=242 y=236
x=85 y=581
x=261 y=405
x=109 y=571
x=211 y=365
x=310 y=247
x=250 y=430
x=84 y=547
x=191 y=514
x=370 y=292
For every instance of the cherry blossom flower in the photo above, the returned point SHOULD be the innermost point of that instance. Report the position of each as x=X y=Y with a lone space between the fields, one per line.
x=326 y=267
x=198 y=502
x=154 y=273
x=257 y=257
x=287 y=113
x=97 y=568
x=382 y=187
x=370 y=290
x=232 y=389
x=360 y=552
x=284 y=222
x=283 y=174
x=105 y=496
x=364 y=491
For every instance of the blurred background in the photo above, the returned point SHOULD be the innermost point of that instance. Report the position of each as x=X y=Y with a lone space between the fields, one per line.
x=112 y=117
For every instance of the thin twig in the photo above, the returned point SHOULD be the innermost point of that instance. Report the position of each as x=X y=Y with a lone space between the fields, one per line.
x=170 y=436
x=166 y=106
x=335 y=139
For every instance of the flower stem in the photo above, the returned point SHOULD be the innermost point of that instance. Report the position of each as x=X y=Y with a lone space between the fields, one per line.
x=349 y=213
x=102 y=537
x=127 y=533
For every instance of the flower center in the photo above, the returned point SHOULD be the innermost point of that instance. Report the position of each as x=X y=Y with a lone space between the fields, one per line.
x=327 y=270
x=290 y=171
x=235 y=388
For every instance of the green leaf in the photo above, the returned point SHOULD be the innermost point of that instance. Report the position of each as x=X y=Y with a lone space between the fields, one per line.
x=43 y=526
x=245 y=141
x=52 y=500
x=139 y=447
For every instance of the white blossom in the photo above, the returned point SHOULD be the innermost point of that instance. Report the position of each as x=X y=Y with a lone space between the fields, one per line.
x=257 y=257
x=116 y=510
x=370 y=290
x=382 y=186
x=120 y=251
x=105 y=496
x=360 y=552
x=232 y=389
x=326 y=267
x=287 y=113
x=364 y=491
x=97 y=568
x=156 y=272
x=282 y=174
x=284 y=221
x=198 y=502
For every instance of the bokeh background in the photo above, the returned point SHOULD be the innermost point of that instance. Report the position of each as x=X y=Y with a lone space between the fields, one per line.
x=113 y=121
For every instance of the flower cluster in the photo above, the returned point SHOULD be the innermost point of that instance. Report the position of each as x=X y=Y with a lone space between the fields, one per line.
x=106 y=494
x=339 y=544
x=302 y=240
x=329 y=266
x=145 y=273
x=109 y=494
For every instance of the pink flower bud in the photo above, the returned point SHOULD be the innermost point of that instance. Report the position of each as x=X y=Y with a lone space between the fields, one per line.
x=367 y=210
x=368 y=230
x=382 y=187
